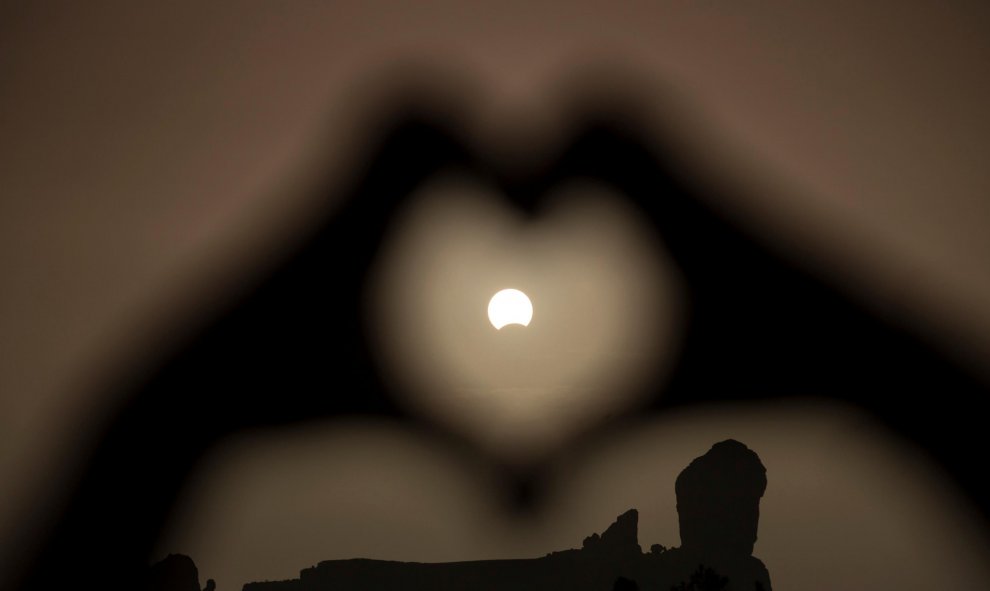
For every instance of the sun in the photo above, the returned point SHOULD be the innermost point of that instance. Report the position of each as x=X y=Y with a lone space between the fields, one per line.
x=510 y=306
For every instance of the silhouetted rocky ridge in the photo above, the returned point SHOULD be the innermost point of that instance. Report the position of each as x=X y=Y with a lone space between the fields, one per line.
x=601 y=560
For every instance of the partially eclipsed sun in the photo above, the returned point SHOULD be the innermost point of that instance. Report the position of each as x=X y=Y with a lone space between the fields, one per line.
x=510 y=306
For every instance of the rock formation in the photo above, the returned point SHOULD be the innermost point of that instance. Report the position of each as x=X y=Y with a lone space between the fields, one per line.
x=176 y=572
x=718 y=498
x=601 y=562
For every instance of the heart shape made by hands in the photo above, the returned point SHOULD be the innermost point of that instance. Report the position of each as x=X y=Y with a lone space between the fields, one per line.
x=298 y=346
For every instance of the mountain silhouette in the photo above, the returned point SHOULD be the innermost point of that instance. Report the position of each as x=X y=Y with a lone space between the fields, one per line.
x=718 y=497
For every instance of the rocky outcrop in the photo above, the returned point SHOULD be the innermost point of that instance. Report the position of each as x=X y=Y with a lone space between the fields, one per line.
x=622 y=537
x=177 y=572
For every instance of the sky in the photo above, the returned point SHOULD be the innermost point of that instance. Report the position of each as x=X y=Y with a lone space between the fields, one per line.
x=152 y=156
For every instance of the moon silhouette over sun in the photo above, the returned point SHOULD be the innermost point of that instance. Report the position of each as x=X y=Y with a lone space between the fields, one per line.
x=510 y=306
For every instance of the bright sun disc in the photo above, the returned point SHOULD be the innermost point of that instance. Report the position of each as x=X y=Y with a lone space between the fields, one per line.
x=509 y=306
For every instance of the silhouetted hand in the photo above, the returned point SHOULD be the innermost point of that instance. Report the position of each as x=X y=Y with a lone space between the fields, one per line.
x=292 y=348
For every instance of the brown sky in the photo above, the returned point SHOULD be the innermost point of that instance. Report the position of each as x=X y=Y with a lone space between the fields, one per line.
x=148 y=154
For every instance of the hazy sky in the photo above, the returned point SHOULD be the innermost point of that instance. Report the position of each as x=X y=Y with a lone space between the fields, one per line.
x=151 y=153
